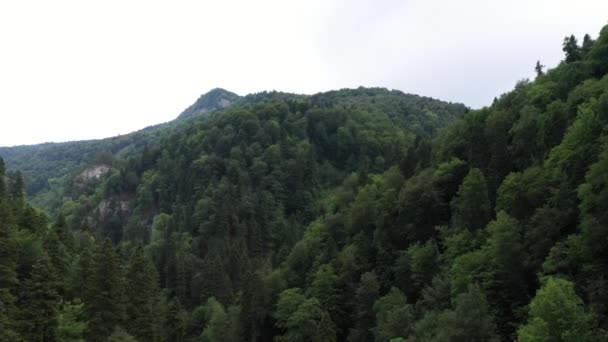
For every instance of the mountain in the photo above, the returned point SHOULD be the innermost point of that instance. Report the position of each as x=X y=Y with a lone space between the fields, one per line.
x=47 y=167
x=327 y=218
x=215 y=99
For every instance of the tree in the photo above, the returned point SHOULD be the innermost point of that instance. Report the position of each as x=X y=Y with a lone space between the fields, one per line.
x=587 y=45
x=539 y=69
x=394 y=316
x=120 y=335
x=106 y=304
x=39 y=302
x=8 y=274
x=471 y=208
x=71 y=326
x=366 y=295
x=571 y=49
x=222 y=325
x=556 y=314
x=141 y=294
x=506 y=281
x=303 y=319
x=16 y=191
x=470 y=320
x=63 y=232
x=324 y=287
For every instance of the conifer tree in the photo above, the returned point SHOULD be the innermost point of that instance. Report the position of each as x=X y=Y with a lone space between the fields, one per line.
x=16 y=191
x=38 y=303
x=571 y=49
x=8 y=260
x=106 y=303
x=141 y=293
x=63 y=232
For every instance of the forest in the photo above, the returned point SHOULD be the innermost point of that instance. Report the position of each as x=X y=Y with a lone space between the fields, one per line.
x=352 y=215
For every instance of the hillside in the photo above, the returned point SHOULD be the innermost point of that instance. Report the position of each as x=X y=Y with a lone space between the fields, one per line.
x=342 y=216
x=47 y=167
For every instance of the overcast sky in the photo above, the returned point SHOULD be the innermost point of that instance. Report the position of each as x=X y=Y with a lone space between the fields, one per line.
x=72 y=70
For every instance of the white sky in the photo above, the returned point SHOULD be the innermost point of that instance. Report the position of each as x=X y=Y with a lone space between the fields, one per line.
x=79 y=69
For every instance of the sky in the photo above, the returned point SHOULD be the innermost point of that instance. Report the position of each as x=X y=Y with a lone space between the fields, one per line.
x=73 y=70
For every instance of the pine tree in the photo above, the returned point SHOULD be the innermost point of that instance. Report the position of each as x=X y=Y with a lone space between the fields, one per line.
x=63 y=232
x=8 y=264
x=59 y=257
x=366 y=296
x=38 y=303
x=106 y=304
x=141 y=292
x=177 y=321
x=71 y=327
x=2 y=179
x=571 y=49
x=539 y=69
x=16 y=191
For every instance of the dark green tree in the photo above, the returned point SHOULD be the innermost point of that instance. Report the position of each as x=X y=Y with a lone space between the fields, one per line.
x=364 y=319
x=71 y=326
x=556 y=314
x=470 y=320
x=571 y=49
x=471 y=208
x=142 y=295
x=394 y=316
x=8 y=264
x=39 y=302
x=539 y=69
x=106 y=296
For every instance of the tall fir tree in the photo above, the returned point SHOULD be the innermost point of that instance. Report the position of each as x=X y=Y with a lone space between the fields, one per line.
x=106 y=302
x=39 y=302
x=8 y=264
x=142 y=293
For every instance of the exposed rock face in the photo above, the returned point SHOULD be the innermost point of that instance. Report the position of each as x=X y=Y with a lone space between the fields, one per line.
x=93 y=173
x=107 y=207
x=213 y=100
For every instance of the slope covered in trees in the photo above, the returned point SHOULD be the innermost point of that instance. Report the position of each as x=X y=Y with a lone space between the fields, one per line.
x=47 y=167
x=325 y=218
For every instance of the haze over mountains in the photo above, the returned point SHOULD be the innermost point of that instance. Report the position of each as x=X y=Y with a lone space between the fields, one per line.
x=351 y=215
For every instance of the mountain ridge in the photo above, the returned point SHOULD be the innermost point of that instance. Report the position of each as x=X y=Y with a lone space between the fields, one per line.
x=43 y=163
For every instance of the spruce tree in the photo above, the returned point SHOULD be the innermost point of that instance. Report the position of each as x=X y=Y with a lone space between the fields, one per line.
x=38 y=303
x=8 y=260
x=16 y=191
x=141 y=292
x=106 y=302
x=63 y=232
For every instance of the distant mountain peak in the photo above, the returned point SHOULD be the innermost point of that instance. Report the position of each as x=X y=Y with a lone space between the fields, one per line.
x=214 y=99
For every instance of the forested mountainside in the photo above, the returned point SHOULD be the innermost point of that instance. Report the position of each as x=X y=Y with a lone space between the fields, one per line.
x=47 y=168
x=295 y=220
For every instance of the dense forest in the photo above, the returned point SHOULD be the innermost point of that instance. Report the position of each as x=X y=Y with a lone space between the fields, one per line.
x=354 y=215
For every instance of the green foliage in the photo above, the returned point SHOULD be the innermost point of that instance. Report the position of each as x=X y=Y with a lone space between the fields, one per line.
x=556 y=314
x=342 y=216
x=106 y=299
x=471 y=205
x=394 y=316
x=120 y=335
x=222 y=324
x=39 y=295
x=470 y=320
x=70 y=324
